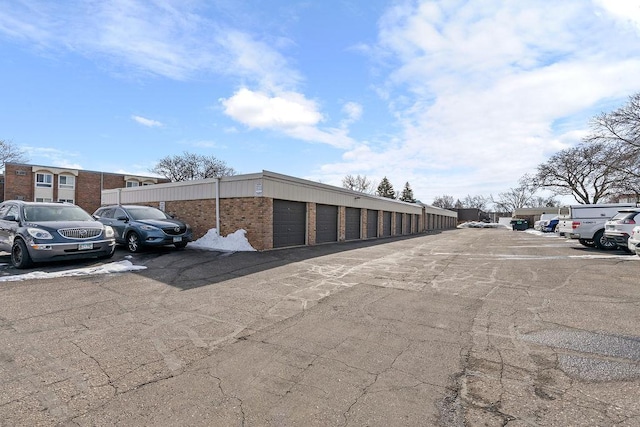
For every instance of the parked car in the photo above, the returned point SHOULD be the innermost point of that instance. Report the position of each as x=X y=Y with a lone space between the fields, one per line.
x=547 y=223
x=586 y=222
x=618 y=229
x=34 y=232
x=633 y=243
x=550 y=226
x=138 y=226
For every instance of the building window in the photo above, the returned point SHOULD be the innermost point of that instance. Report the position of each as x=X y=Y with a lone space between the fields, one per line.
x=66 y=200
x=44 y=180
x=132 y=184
x=43 y=199
x=67 y=181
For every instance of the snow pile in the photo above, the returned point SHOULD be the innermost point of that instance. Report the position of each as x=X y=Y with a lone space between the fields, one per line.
x=234 y=242
x=113 y=267
x=475 y=224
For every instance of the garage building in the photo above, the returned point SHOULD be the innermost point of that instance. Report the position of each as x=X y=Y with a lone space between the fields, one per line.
x=279 y=211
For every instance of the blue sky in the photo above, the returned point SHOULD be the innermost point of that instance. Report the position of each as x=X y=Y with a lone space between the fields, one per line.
x=455 y=97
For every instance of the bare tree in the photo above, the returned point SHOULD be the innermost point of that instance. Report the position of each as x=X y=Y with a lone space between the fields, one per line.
x=444 y=202
x=522 y=196
x=618 y=126
x=619 y=130
x=583 y=171
x=189 y=166
x=358 y=183
x=9 y=152
x=475 y=202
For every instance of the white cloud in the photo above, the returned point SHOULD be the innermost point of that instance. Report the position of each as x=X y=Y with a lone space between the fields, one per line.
x=287 y=112
x=480 y=87
x=52 y=157
x=627 y=11
x=259 y=110
x=353 y=111
x=157 y=38
x=146 y=122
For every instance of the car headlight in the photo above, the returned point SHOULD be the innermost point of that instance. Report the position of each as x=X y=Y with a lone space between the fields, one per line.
x=108 y=231
x=148 y=228
x=38 y=233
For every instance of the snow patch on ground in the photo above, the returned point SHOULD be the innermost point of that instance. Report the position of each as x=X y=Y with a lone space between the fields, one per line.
x=234 y=242
x=113 y=267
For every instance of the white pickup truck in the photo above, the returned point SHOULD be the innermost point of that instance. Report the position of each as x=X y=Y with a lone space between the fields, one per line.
x=586 y=222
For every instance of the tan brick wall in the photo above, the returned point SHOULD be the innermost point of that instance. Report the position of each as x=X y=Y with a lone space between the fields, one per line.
x=342 y=223
x=252 y=214
x=18 y=186
x=311 y=223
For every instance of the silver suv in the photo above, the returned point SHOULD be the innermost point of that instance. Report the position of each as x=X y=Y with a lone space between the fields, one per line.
x=34 y=232
x=618 y=229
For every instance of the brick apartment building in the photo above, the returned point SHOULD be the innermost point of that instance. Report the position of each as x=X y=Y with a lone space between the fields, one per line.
x=46 y=183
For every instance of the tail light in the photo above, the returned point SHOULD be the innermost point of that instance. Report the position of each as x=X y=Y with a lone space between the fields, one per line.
x=627 y=221
x=575 y=224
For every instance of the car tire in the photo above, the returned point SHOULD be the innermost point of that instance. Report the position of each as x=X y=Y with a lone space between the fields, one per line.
x=587 y=243
x=133 y=242
x=180 y=245
x=602 y=243
x=20 y=257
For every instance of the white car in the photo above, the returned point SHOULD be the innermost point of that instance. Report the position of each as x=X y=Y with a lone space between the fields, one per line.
x=633 y=243
x=618 y=229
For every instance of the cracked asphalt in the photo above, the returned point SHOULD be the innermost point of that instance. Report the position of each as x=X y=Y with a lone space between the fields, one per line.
x=470 y=327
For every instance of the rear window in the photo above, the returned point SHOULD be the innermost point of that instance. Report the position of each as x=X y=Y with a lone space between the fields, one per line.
x=565 y=211
x=625 y=215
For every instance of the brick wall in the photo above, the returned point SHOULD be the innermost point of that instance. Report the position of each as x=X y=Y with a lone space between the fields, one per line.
x=311 y=223
x=252 y=214
x=18 y=186
x=342 y=223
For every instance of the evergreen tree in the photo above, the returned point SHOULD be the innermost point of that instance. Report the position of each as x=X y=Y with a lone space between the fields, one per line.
x=385 y=189
x=407 y=194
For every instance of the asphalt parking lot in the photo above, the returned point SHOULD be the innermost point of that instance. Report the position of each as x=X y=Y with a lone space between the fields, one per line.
x=469 y=327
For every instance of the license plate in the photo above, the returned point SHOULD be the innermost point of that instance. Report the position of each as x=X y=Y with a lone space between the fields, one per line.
x=85 y=246
x=177 y=239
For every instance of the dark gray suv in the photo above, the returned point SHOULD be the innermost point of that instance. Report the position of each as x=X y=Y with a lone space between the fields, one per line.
x=36 y=231
x=137 y=226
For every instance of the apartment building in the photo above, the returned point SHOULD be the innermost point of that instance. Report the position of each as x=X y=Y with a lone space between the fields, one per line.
x=82 y=187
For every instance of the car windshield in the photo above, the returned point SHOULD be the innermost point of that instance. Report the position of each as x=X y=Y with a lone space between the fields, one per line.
x=139 y=213
x=45 y=213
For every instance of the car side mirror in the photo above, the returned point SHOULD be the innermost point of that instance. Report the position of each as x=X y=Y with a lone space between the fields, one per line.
x=10 y=218
x=122 y=218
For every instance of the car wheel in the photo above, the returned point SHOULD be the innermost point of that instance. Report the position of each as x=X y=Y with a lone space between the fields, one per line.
x=602 y=243
x=133 y=242
x=20 y=257
x=180 y=245
x=587 y=243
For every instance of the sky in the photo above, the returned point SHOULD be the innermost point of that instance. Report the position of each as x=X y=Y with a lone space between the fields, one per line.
x=454 y=97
